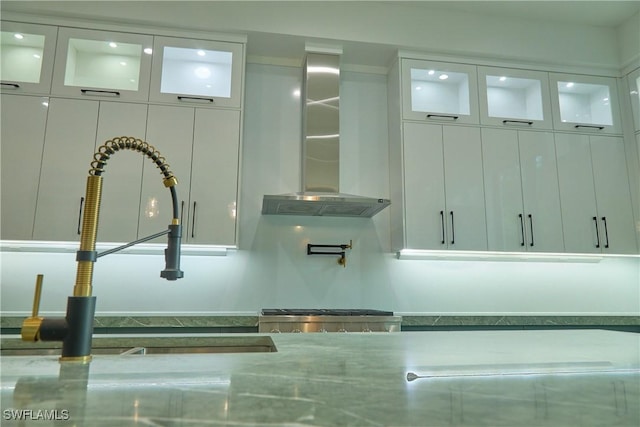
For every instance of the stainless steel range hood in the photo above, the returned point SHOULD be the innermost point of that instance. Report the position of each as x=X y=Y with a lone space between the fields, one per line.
x=321 y=150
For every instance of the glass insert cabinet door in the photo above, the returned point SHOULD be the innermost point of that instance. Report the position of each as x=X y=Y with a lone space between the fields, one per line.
x=514 y=98
x=201 y=72
x=101 y=64
x=26 y=57
x=585 y=103
x=439 y=92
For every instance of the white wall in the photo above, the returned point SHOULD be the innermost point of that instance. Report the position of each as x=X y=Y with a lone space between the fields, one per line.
x=271 y=268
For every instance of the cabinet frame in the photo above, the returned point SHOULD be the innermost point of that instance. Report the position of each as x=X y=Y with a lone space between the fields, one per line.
x=50 y=34
x=512 y=122
x=58 y=86
x=237 y=70
x=589 y=128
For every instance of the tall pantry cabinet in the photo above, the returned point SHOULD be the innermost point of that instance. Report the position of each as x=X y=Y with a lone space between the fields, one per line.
x=183 y=96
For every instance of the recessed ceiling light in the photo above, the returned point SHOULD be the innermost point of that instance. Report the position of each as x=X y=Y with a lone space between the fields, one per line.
x=113 y=44
x=570 y=85
x=18 y=36
x=148 y=50
x=431 y=72
x=503 y=78
x=443 y=77
x=201 y=53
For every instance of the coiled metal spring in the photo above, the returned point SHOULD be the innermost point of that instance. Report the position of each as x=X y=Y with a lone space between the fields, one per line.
x=111 y=146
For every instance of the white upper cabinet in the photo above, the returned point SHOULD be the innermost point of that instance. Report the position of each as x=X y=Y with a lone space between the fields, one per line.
x=514 y=98
x=585 y=103
x=633 y=80
x=440 y=92
x=202 y=72
x=26 y=57
x=101 y=64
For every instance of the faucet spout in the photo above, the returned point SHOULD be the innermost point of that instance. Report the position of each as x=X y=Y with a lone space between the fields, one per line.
x=76 y=329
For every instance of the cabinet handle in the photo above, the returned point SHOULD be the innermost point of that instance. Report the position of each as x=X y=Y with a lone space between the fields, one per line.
x=96 y=92
x=589 y=127
x=531 y=228
x=453 y=230
x=442 y=224
x=606 y=232
x=442 y=116
x=80 y=214
x=196 y=99
x=10 y=85
x=595 y=219
x=518 y=122
x=181 y=210
x=193 y=221
x=521 y=228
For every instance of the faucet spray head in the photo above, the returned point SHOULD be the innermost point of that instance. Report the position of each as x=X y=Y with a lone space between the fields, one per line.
x=172 y=254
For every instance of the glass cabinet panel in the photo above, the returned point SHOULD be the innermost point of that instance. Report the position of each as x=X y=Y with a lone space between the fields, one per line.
x=585 y=103
x=103 y=64
x=197 y=71
x=439 y=91
x=26 y=57
x=514 y=98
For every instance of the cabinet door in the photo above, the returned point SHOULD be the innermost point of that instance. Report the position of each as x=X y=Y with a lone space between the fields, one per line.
x=577 y=194
x=585 y=103
x=424 y=201
x=123 y=172
x=214 y=177
x=514 y=98
x=438 y=91
x=102 y=64
x=22 y=133
x=613 y=197
x=170 y=131
x=26 y=57
x=68 y=149
x=201 y=72
x=541 y=196
x=464 y=189
x=503 y=190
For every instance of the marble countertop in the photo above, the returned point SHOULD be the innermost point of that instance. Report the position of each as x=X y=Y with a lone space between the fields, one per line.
x=498 y=378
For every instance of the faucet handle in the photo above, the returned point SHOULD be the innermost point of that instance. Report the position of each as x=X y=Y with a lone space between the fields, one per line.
x=31 y=326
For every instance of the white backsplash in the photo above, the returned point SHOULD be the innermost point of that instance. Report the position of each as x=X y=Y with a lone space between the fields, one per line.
x=271 y=268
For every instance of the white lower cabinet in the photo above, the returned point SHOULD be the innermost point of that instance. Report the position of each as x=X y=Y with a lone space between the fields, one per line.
x=521 y=189
x=122 y=173
x=443 y=187
x=22 y=132
x=68 y=150
x=202 y=148
x=594 y=189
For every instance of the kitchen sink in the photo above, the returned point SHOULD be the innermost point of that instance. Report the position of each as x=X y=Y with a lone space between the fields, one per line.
x=144 y=346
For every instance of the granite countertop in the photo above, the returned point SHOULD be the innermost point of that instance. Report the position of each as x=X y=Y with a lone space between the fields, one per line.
x=498 y=378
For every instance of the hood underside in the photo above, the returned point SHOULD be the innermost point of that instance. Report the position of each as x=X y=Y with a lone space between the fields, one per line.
x=321 y=151
x=322 y=204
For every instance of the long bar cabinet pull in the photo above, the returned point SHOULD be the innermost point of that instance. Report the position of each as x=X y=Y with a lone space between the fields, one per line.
x=196 y=99
x=521 y=229
x=531 y=228
x=193 y=221
x=10 y=85
x=589 y=127
x=80 y=215
x=595 y=219
x=442 y=224
x=181 y=210
x=518 y=122
x=453 y=230
x=606 y=232
x=96 y=92
x=442 y=116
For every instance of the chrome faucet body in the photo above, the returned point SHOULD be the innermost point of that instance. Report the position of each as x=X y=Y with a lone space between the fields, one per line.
x=76 y=329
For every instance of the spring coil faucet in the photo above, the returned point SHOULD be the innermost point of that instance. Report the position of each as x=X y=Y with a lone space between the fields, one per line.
x=76 y=329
